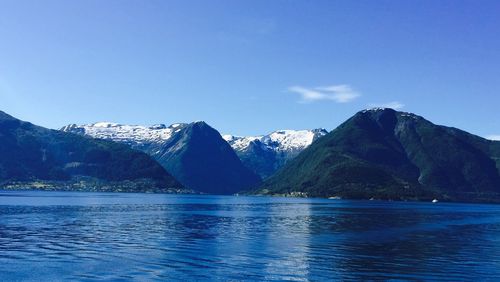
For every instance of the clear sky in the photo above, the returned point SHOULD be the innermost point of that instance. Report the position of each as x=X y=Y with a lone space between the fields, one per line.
x=250 y=67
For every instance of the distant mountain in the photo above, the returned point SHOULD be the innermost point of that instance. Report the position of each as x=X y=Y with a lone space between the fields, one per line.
x=267 y=153
x=384 y=154
x=194 y=153
x=33 y=156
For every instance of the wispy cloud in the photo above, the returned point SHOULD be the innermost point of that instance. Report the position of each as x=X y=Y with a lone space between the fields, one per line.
x=338 y=93
x=493 y=137
x=393 y=105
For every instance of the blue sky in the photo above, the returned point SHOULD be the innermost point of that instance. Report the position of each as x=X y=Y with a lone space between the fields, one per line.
x=250 y=67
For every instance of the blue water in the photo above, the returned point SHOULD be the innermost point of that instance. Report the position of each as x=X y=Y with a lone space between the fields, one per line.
x=47 y=236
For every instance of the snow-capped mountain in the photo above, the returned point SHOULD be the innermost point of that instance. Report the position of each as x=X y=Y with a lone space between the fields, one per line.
x=194 y=153
x=267 y=153
x=261 y=154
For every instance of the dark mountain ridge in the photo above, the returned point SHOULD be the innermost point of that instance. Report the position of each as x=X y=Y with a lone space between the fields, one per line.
x=199 y=157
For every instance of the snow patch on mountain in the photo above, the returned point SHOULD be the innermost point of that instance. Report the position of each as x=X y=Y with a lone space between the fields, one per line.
x=278 y=141
x=157 y=133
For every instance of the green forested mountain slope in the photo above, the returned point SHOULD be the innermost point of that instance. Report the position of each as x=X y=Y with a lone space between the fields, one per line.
x=385 y=154
x=29 y=153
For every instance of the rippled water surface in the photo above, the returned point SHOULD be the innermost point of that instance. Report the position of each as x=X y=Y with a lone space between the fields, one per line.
x=48 y=236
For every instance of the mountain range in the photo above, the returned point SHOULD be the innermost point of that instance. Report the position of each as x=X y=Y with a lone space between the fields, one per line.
x=385 y=154
x=376 y=154
x=33 y=156
x=194 y=153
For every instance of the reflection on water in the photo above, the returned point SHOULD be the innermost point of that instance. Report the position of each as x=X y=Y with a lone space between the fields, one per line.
x=99 y=236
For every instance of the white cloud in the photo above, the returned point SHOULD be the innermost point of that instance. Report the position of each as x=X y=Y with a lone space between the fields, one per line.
x=393 y=105
x=493 y=137
x=337 y=93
